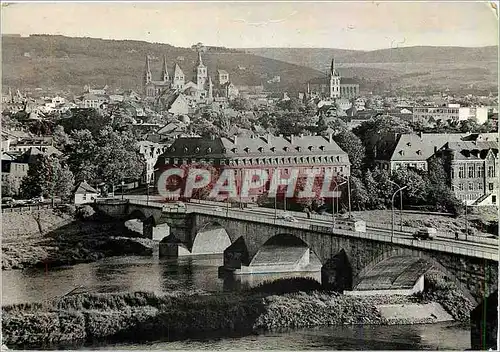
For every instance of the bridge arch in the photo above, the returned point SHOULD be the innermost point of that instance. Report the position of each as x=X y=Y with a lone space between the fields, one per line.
x=427 y=258
x=210 y=238
x=285 y=249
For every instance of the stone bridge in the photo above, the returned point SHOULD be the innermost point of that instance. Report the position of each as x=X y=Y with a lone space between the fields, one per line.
x=345 y=256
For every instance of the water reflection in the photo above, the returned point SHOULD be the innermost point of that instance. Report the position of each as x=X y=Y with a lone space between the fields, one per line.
x=118 y=274
x=121 y=274
x=445 y=336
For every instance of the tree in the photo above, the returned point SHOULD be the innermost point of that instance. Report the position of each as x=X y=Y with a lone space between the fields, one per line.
x=10 y=186
x=379 y=136
x=439 y=192
x=240 y=104
x=110 y=156
x=47 y=177
x=352 y=145
x=292 y=123
x=359 y=195
x=371 y=186
x=416 y=190
x=85 y=119
x=61 y=138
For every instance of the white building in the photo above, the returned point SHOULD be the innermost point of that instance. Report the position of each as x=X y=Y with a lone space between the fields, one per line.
x=85 y=194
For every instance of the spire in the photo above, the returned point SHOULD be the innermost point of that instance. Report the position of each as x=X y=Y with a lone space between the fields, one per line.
x=332 y=67
x=147 y=71
x=164 y=71
x=210 y=88
x=200 y=61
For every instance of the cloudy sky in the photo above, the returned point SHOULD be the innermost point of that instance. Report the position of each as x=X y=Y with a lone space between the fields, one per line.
x=353 y=25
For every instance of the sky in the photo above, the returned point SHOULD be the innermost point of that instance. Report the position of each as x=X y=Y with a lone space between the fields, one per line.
x=343 y=25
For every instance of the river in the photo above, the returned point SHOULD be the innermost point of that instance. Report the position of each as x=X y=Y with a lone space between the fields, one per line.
x=132 y=273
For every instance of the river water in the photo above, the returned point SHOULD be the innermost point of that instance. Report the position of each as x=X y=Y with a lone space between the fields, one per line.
x=133 y=273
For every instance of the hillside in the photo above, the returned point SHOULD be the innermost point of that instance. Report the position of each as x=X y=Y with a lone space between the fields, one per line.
x=438 y=67
x=70 y=63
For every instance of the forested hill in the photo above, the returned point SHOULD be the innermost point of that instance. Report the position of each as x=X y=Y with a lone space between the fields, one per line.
x=70 y=63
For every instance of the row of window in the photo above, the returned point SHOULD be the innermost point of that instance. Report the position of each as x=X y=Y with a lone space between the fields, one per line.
x=264 y=161
x=471 y=186
x=473 y=171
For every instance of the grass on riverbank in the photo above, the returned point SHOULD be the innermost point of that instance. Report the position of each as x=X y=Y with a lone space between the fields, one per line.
x=144 y=316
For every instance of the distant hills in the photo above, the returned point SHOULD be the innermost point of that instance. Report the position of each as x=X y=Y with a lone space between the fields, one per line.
x=70 y=63
x=420 y=66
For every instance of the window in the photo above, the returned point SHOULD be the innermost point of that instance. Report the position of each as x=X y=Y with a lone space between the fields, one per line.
x=480 y=186
x=461 y=171
x=471 y=171
x=490 y=186
x=480 y=171
x=471 y=186
x=494 y=199
x=491 y=171
x=452 y=173
x=461 y=186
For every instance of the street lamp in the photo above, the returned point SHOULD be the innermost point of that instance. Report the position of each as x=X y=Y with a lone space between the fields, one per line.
x=333 y=200
x=123 y=186
x=348 y=180
x=394 y=195
x=466 y=219
x=400 y=205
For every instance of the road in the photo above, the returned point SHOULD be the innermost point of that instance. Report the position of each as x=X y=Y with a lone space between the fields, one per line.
x=269 y=214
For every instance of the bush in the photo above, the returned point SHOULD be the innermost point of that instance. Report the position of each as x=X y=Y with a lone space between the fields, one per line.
x=85 y=212
x=69 y=209
x=282 y=286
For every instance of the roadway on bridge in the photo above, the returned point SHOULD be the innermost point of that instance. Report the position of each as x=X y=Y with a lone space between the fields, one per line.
x=269 y=214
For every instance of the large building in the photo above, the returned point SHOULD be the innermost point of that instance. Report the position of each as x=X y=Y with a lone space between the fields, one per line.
x=473 y=170
x=453 y=112
x=200 y=87
x=334 y=86
x=267 y=152
x=413 y=150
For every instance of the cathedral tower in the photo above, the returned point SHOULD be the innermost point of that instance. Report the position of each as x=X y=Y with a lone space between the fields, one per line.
x=147 y=72
x=201 y=73
x=164 y=70
x=334 y=81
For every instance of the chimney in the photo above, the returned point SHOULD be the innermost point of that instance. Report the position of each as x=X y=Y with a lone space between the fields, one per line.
x=420 y=134
x=291 y=139
x=235 y=139
x=330 y=137
x=269 y=136
x=435 y=149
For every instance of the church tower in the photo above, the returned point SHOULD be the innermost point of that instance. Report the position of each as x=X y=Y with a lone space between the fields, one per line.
x=164 y=70
x=201 y=73
x=210 y=89
x=147 y=72
x=334 y=81
x=179 y=78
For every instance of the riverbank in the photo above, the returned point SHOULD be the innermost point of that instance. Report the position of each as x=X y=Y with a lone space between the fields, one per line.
x=51 y=238
x=137 y=317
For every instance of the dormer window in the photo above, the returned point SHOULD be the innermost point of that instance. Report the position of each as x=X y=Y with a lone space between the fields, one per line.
x=401 y=152
x=285 y=149
x=408 y=144
x=273 y=149
x=234 y=150
x=419 y=152
x=209 y=150
x=298 y=149
x=185 y=149
x=322 y=147
x=172 y=149
x=260 y=149
x=246 y=149
x=310 y=148
x=197 y=150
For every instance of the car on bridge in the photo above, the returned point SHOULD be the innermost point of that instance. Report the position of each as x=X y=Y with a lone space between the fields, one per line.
x=425 y=233
x=287 y=217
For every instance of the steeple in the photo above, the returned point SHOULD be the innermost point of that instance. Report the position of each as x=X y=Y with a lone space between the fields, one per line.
x=200 y=61
x=210 y=88
x=164 y=70
x=147 y=72
x=333 y=70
